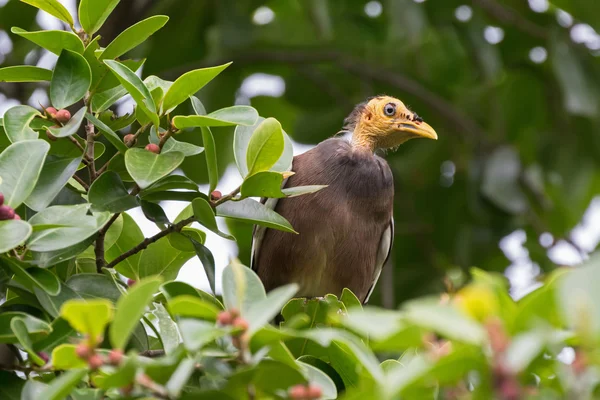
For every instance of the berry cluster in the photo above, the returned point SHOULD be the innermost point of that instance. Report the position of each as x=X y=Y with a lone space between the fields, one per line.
x=233 y=318
x=305 y=392
x=62 y=116
x=95 y=360
x=6 y=212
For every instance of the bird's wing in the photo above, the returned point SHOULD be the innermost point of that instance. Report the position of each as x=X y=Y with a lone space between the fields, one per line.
x=383 y=254
x=259 y=231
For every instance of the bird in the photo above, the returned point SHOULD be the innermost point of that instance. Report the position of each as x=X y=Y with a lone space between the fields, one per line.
x=344 y=231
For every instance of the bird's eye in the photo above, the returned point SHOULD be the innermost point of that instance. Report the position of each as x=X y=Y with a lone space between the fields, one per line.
x=389 y=109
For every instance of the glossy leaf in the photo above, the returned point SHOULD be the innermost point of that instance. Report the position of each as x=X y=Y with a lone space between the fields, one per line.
x=133 y=36
x=65 y=356
x=54 y=41
x=89 y=317
x=188 y=84
x=131 y=235
x=146 y=167
x=171 y=182
x=169 y=333
x=265 y=146
x=52 y=7
x=93 y=13
x=20 y=331
x=230 y=116
x=16 y=123
x=242 y=288
x=300 y=190
x=207 y=259
x=71 y=79
x=20 y=167
x=24 y=73
x=263 y=184
x=13 y=233
x=108 y=193
x=192 y=306
x=36 y=327
x=205 y=215
x=263 y=311
x=110 y=135
x=56 y=172
x=160 y=258
x=60 y=387
x=33 y=276
x=249 y=210
x=130 y=309
x=103 y=100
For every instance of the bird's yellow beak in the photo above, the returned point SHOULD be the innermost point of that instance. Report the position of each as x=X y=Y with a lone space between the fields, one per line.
x=418 y=129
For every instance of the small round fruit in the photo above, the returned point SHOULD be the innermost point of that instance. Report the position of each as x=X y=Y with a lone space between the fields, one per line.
x=6 y=212
x=83 y=351
x=51 y=111
x=17 y=217
x=216 y=195
x=63 y=116
x=130 y=138
x=44 y=356
x=130 y=282
x=240 y=323
x=298 y=392
x=224 y=318
x=314 y=392
x=95 y=361
x=1 y=199
x=115 y=357
x=153 y=148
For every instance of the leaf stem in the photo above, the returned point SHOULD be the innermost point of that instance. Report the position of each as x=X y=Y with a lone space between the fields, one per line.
x=225 y=198
x=81 y=182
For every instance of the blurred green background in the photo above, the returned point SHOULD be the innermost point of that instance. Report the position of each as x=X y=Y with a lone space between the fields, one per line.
x=511 y=87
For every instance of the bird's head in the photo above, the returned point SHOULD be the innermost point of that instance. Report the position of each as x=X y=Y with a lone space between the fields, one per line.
x=385 y=122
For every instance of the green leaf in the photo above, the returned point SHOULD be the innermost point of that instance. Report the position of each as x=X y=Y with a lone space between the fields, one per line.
x=252 y=211
x=154 y=213
x=319 y=378
x=24 y=73
x=20 y=330
x=36 y=327
x=192 y=306
x=263 y=311
x=205 y=215
x=230 y=116
x=109 y=134
x=263 y=184
x=169 y=334
x=146 y=167
x=197 y=333
x=63 y=226
x=211 y=158
x=103 y=100
x=350 y=300
x=241 y=140
x=171 y=182
x=207 y=260
x=54 y=41
x=131 y=236
x=181 y=240
x=176 y=288
x=71 y=127
x=13 y=233
x=136 y=88
x=133 y=36
x=160 y=258
x=61 y=333
x=108 y=193
x=60 y=387
x=16 y=123
x=56 y=172
x=242 y=288
x=52 y=7
x=34 y=276
x=93 y=13
x=20 y=167
x=180 y=377
x=88 y=317
x=71 y=79
x=265 y=146
x=65 y=356
x=188 y=84
x=187 y=149
x=130 y=309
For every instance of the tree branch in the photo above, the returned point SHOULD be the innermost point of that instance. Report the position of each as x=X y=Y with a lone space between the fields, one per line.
x=81 y=182
x=89 y=130
x=509 y=16
x=99 y=248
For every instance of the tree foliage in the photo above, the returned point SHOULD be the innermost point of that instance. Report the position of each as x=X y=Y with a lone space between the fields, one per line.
x=92 y=304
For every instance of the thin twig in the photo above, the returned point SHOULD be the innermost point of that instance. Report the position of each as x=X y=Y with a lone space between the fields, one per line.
x=225 y=198
x=152 y=353
x=89 y=129
x=81 y=182
x=99 y=248
x=76 y=143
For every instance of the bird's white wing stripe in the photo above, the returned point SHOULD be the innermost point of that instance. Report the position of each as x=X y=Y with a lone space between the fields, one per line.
x=385 y=247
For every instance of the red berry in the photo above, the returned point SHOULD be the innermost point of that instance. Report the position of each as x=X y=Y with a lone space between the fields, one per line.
x=115 y=357
x=216 y=195
x=1 y=199
x=314 y=392
x=234 y=313
x=299 y=392
x=130 y=138
x=51 y=111
x=130 y=282
x=240 y=323
x=153 y=148
x=44 y=356
x=17 y=217
x=95 y=361
x=83 y=351
x=224 y=318
x=6 y=213
x=63 y=116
